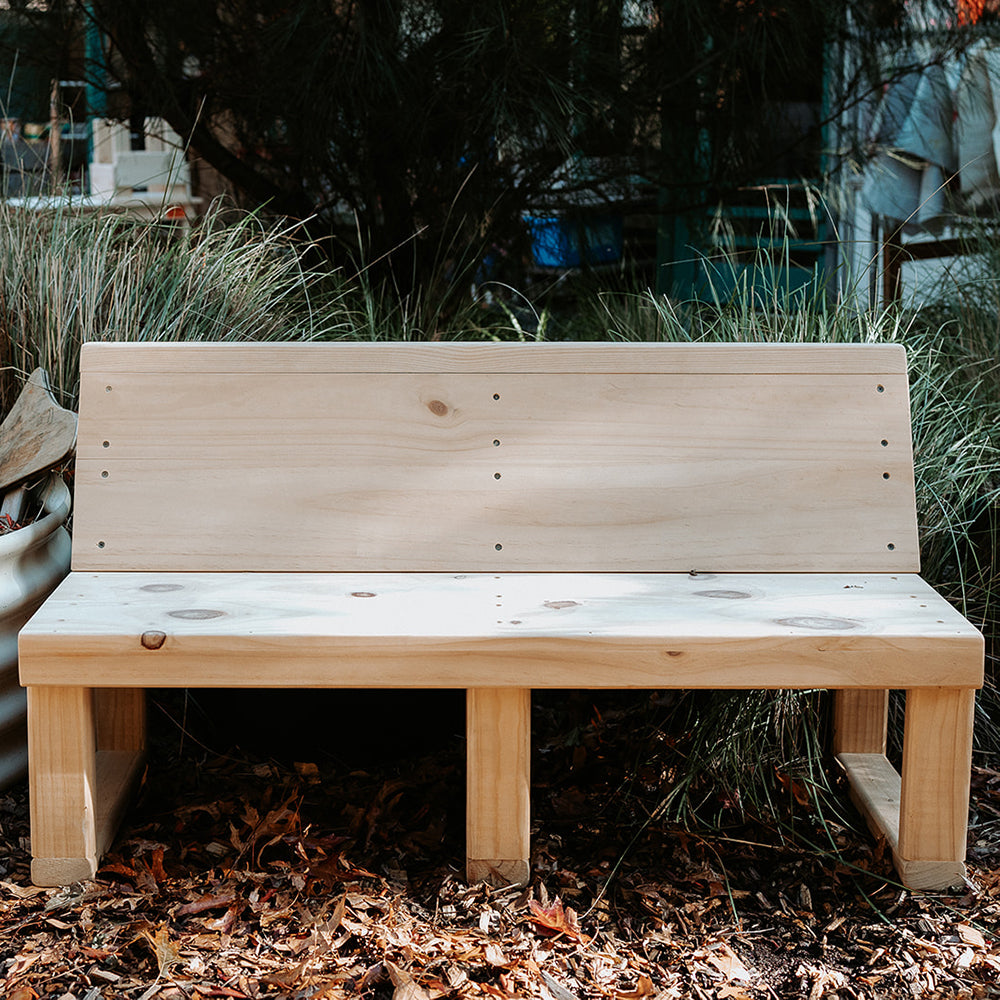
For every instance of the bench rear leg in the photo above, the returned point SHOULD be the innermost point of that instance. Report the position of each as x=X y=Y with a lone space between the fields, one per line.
x=498 y=731
x=85 y=750
x=120 y=717
x=934 y=799
x=860 y=721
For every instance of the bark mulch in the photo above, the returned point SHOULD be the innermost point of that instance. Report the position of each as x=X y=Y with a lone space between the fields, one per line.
x=237 y=875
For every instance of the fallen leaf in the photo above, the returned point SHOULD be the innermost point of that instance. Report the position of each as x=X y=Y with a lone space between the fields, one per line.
x=405 y=987
x=494 y=956
x=22 y=892
x=165 y=951
x=971 y=936
x=733 y=993
x=558 y=991
x=286 y=979
x=643 y=988
x=205 y=903
x=22 y=993
x=557 y=919
x=726 y=961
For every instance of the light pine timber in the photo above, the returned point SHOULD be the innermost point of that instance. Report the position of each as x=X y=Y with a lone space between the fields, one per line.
x=77 y=792
x=924 y=815
x=195 y=358
x=120 y=719
x=498 y=781
x=860 y=721
x=471 y=472
x=538 y=630
x=934 y=799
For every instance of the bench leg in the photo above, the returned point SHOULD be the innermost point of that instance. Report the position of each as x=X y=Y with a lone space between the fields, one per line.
x=120 y=717
x=62 y=782
x=923 y=815
x=84 y=752
x=934 y=799
x=498 y=731
x=860 y=721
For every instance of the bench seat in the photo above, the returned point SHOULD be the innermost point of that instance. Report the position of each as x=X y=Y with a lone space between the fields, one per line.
x=556 y=630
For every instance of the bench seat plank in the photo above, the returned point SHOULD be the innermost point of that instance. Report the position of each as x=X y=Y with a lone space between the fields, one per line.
x=538 y=630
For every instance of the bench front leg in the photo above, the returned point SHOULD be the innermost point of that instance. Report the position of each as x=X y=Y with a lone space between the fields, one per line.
x=85 y=749
x=498 y=783
x=934 y=798
x=62 y=784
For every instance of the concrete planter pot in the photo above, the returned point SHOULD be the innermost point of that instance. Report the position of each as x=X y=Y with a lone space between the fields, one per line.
x=33 y=560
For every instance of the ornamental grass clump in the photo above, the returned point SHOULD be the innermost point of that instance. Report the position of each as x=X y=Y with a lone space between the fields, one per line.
x=67 y=278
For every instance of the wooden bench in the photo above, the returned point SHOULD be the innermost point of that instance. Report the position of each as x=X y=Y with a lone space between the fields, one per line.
x=498 y=517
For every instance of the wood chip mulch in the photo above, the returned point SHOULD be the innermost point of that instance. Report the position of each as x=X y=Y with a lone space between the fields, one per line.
x=240 y=876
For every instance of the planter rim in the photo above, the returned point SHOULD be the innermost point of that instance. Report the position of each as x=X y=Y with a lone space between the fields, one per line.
x=55 y=503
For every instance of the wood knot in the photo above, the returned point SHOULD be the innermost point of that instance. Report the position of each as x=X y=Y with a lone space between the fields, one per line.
x=438 y=408
x=819 y=624
x=153 y=640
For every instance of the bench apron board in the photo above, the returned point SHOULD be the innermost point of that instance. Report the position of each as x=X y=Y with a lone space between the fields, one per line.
x=498 y=518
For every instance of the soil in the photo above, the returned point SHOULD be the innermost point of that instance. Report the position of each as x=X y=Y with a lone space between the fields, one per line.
x=334 y=870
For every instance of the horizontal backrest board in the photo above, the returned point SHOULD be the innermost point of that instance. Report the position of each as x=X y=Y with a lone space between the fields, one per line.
x=488 y=457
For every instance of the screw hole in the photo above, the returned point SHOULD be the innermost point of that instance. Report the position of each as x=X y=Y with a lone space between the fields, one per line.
x=496 y=395
x=105 y=474
x=885 y=444
x=891 y=547
x=496 y=442
x=880 y=388
x=498 y=546
x=106 y=444
x=885 y=475
x=496 y=475
x=107 y=388
x=100 y=545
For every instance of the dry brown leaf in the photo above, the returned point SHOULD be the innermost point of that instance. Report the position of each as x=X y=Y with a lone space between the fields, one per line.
x=164 y=950
x=971 y=936
x=556 y=919
x=726 y=961
x=22 y=993
x=558 y=991
x=286 y=979
x=22 y=892
x=205 y=903
x=494 y=955
x=643 y=988
x=405 y=987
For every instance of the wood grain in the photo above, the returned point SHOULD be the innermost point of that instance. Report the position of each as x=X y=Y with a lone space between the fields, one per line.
x=937 y=760
x=537 y=630
x=62 y=781
x=476 y=473
x=444 y=356
x=860 y=721
x=498 y=784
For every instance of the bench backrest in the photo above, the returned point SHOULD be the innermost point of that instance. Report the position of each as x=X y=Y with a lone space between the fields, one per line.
x=494 y=457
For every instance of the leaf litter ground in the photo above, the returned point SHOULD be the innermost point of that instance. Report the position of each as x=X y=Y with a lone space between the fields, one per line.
x=338 y=874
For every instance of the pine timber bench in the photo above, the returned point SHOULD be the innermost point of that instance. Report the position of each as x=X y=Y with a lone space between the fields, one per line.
x=498 y=517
